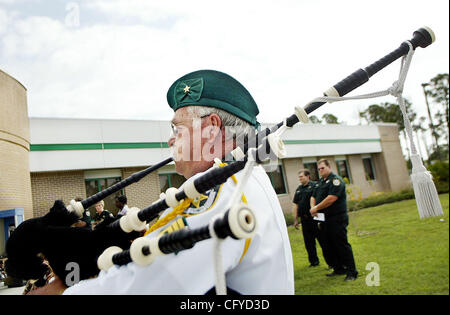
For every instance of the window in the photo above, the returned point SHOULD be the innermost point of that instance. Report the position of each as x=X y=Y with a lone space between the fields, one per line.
x=277 y=180
x=343 y=170
x=170 y=180
x=95 y=185
x=368 y=168
x=312 y=168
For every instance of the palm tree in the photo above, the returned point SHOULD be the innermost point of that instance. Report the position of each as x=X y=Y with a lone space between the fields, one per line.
x=434 y=134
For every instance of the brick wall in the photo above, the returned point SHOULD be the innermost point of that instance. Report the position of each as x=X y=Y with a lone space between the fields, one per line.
x=50 y=186
x=15 y=187
x=143 y=193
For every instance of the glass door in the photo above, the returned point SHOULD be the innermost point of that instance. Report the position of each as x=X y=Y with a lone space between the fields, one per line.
x=95 y=185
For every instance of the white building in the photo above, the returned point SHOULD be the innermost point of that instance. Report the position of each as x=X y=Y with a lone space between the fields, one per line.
x=78 y=157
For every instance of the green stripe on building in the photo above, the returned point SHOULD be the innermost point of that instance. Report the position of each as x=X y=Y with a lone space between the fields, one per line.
x=329 y=141
x=98 y=146
x=136 y=145
x=163 y=145
x=71 y=146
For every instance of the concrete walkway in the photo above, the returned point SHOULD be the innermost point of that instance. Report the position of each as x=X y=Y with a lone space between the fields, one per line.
x=4 y=290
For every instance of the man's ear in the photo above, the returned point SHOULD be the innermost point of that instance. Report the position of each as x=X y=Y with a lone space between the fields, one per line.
x=215 y=120
x=213 y=130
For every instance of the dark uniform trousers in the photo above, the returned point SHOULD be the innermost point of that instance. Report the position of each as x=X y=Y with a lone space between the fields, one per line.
x=337 y=250
x=310 y=230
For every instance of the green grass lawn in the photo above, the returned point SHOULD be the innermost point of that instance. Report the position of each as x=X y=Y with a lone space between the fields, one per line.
x=412 y=253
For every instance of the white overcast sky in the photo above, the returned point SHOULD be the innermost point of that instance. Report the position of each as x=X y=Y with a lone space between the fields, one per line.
x=123 y=55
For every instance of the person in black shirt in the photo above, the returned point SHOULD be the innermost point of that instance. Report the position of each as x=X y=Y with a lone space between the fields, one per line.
x=102 y=217
x=300 y=209
x=330 y=198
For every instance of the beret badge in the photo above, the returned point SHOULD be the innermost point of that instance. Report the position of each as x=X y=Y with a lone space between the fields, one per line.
x=189 y=90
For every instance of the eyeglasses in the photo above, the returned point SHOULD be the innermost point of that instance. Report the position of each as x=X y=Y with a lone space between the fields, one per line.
x=176 y=129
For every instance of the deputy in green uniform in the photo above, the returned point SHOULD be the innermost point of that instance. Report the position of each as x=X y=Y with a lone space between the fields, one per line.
x=300 y=209
x=330 y=199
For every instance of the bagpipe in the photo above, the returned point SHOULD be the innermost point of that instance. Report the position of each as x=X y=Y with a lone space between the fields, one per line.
x=120 y=242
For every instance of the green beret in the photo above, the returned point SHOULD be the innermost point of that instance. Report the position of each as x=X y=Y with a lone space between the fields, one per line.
x=214 y=89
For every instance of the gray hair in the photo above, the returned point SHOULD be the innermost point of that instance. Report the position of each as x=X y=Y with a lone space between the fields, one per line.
x=235 y=127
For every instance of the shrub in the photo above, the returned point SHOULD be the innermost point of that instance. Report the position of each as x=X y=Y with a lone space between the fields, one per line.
x=439 y=170
x=289 y=217
x=354 y=192
x=378 y=198
x=442 y=187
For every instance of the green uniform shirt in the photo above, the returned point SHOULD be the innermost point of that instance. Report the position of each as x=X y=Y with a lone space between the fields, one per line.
x=302 y=198
x=333 y=185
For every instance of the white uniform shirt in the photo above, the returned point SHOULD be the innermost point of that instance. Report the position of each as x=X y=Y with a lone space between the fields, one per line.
x=266 y=267
x=123 y=211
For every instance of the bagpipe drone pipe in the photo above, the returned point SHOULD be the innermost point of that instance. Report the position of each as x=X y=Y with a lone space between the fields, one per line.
x=52 y=237
x=61 y=244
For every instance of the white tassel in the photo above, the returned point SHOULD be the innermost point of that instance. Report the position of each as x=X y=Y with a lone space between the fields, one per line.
x=427 y=198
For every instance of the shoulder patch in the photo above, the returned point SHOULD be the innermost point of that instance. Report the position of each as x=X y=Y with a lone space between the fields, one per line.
x=336 y=182
x=204 y=203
